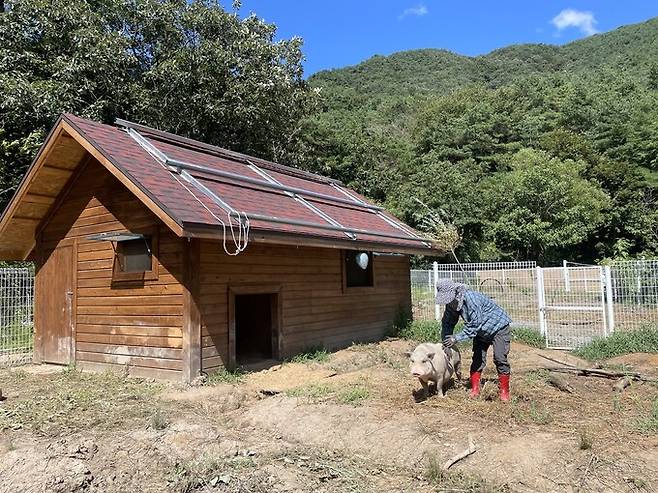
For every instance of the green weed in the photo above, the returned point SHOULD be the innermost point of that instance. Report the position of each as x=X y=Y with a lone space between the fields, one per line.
x=422 y=331
x=313 y=392
x=354 y=395
x=643 y=340
x=529 y=337
x=223 y=375
x=650 y=423
x=534 y=412
x=312 y=355
x=158 y=420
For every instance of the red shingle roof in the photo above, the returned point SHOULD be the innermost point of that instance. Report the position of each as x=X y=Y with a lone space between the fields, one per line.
x=187 y=205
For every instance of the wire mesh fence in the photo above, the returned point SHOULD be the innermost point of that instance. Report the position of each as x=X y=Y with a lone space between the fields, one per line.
x=511 y=284
x=16 y=315
x=570 y=305
x=634 y=293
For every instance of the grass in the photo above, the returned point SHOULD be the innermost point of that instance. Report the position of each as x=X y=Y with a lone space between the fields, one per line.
x=650 y=423
x=643 y=340
x=353 y=395
x=206 y=472
x=159 y=420
x=529 y=337
x=16 y=337
x=223 y=375
x=314 y=392
x=427 y=331
x=71 y=400
x=533 y=412
x=311 y=355
x=421 y=331
x=457 y=480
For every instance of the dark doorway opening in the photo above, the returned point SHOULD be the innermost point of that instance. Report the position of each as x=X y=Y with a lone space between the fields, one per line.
x=254 y=327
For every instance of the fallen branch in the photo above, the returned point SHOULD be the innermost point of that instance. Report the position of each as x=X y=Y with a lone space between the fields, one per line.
x=564 y=363
x=470 y=450
x=597 y=372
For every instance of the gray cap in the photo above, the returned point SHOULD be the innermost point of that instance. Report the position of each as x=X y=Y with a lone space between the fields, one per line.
x=448 y=290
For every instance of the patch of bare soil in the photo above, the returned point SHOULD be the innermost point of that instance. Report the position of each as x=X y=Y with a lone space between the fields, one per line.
x=349 y=424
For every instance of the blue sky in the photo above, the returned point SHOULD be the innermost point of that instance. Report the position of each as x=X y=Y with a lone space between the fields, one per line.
x=337 y=33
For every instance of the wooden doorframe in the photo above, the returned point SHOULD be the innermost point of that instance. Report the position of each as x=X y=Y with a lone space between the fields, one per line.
x=276 y=306
x=71 y=300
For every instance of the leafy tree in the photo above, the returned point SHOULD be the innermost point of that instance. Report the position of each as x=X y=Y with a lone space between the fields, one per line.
x=543 y=207
x=192 y=68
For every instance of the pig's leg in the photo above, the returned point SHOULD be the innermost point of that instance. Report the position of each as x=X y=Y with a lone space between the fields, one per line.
x=439 y=388
x=426 y=388
x=458 y=370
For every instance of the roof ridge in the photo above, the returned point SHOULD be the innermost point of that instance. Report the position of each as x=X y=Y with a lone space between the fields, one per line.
x=204 y=147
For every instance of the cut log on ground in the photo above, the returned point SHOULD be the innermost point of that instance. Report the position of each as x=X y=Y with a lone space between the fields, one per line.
x=470 y=450
x=560 y=383
x=621 y=384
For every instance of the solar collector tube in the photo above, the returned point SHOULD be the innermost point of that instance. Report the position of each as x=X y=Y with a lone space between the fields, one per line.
x=175 y=165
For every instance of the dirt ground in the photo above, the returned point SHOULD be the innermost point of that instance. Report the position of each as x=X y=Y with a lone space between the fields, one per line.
x=347 y=424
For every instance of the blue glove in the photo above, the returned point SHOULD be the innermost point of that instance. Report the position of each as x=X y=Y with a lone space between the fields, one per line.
x=449 y=341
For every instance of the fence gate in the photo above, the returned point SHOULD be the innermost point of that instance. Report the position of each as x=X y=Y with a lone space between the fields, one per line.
x=572 y=305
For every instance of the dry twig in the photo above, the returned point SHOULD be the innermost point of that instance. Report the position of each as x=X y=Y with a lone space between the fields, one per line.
x=470 y=450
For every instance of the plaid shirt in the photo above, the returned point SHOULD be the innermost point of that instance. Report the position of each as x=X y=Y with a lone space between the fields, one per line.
x=483 y=318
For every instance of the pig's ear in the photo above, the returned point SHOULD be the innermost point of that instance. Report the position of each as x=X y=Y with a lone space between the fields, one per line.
x=430 y=355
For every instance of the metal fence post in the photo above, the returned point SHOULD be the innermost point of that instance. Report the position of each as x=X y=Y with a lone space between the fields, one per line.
x=610 y=309
x=437 y=308
x=567 y=280
x=541 y=302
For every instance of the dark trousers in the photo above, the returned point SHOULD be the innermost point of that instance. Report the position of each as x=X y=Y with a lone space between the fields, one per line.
x=501 y=343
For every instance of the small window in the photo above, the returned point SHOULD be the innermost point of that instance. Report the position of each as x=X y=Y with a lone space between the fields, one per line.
x=358 y=269
x=135 y=255
x=135 y=259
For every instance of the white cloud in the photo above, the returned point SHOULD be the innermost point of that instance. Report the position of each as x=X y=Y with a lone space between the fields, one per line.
x=417 y=11
x=584 y=21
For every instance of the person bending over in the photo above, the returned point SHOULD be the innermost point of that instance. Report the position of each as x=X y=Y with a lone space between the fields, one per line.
x=485 y=322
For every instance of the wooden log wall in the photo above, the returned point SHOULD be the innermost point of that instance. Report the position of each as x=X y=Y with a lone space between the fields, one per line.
x=316 y=309
x=133 y=323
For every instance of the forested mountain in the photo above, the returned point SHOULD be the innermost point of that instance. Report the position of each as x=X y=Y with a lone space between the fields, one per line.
x=631 y=50
x=531 y=151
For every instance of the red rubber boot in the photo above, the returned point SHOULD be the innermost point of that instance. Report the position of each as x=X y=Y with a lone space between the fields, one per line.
x=503 y=382
x=475 y=384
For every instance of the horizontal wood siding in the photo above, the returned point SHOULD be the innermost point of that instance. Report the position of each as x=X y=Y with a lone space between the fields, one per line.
x=316 y=311
x=128 y=323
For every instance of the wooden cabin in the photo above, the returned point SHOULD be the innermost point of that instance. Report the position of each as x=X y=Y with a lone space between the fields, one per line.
x=169 y=257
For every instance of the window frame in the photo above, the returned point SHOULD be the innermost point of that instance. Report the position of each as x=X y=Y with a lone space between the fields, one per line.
x=373 y=277
x=148 y=275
